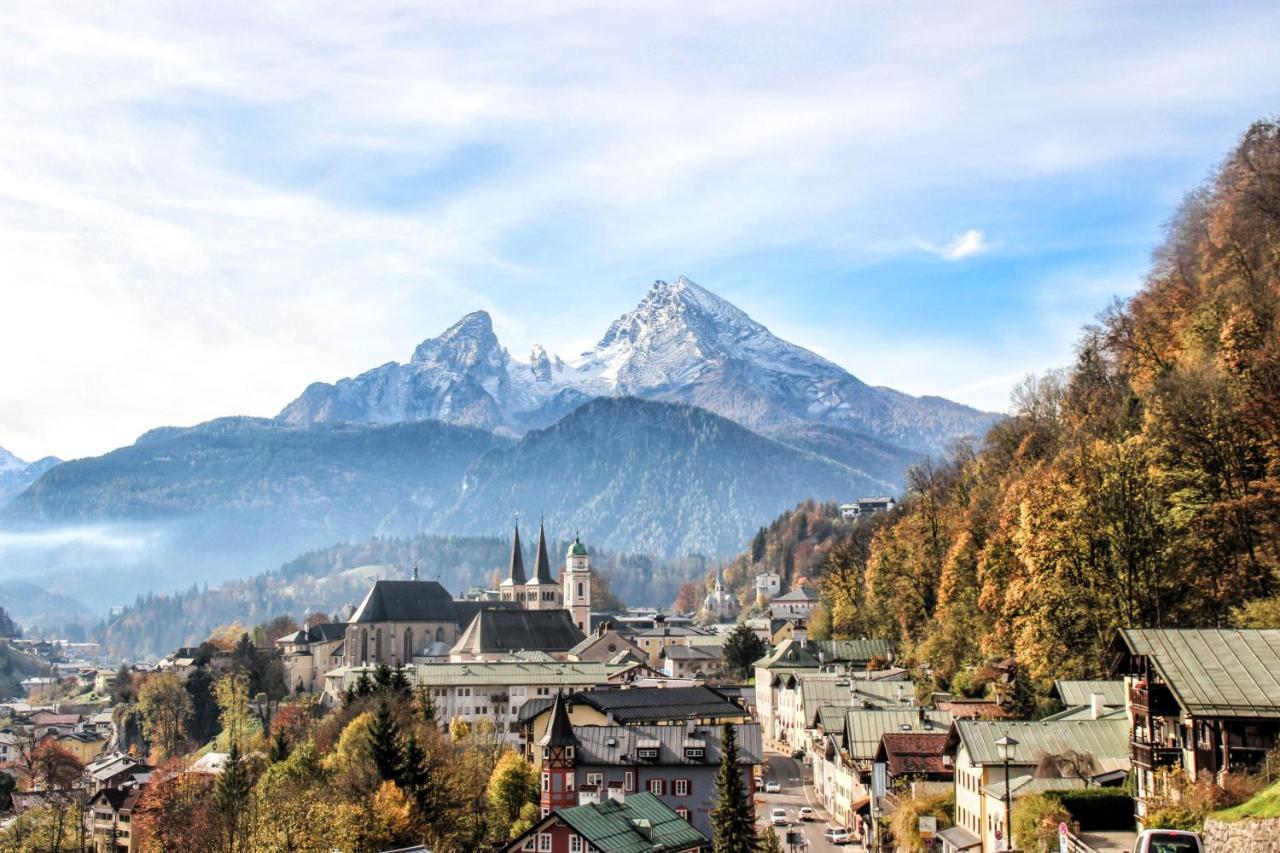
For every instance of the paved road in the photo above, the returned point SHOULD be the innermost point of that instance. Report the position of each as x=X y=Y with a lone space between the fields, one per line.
x=793 y=776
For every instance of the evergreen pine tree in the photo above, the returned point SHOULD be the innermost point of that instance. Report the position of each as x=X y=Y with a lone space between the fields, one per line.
x=767 y=840
x=426 y=706
x=415 y=776
x=280 y=747
x=364 y=687
x=384 y=744
x=232 y=799
x=382 y=678
x=400 y=682
x=733 y=830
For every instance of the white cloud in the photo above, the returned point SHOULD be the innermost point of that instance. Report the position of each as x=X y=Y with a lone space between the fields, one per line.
x=193 y=199
x=966 y=245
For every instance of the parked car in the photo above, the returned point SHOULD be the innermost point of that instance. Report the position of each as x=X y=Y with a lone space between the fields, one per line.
x=838 y=835
x=773 y=786
x=759 y=783
x=778 y=817
x=807 y=813
x=1168 y=841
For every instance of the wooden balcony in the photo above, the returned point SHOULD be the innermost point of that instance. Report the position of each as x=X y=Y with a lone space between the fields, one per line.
x=1152 y=756
x=1156 y=700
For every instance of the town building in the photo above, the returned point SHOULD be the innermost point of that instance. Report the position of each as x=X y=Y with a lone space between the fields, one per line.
x=795 y=605
x=767 y=585
x=652 y=641
x=670 y=706
x=698 y=661
x=1199 y=699
x=607 y=643
x=496 y=634
x=720 y=605
x=493 y=691
x=864 y=507
x=636 y=824
x=1074 y=753
x=112 y=819
x=307 y=654
x=117 y=770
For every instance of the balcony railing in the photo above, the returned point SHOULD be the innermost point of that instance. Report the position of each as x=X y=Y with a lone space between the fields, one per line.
x=1155 y=699
x=1152 y=756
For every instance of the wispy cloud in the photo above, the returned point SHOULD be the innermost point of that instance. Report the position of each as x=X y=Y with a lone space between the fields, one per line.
x=966 y=245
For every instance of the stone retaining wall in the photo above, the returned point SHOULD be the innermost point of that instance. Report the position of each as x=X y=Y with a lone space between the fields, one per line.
x=1246 y=836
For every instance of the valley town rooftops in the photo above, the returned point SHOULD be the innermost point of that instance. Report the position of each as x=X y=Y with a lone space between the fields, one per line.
x=1213 y=672
x=1080 y=693
x=640 y=824
x=619 y=744
x=495 y=631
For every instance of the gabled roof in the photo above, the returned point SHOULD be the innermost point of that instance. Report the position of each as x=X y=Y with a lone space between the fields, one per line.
x=698 y=653
x=418 y=601
x=645 y=704
x=1085 y=712
x=495 y=631
x=789 y=653
x=119 y=799
x=863 y=728
x=1080 y=693
x=850 y=651
x=405 y=601
x=1214 y=672
x=1106 y=740
x=639 y=824
x=323 y=632
x=618 y=744
x=914 y=752
x=801 y=595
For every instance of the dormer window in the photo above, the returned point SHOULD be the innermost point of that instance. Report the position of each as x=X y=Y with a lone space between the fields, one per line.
x=647 y=753
x=694 y=752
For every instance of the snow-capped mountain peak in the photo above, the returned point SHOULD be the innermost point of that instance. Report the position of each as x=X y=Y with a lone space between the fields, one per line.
x=681 y=343
x=9 y=462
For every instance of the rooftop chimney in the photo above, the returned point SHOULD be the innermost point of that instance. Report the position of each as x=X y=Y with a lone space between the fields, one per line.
x=1095 y=706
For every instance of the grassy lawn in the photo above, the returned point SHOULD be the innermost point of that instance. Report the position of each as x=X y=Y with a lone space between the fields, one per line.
x=1265 y=804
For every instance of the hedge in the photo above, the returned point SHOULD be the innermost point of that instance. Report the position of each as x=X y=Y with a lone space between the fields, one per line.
x=1097 y=808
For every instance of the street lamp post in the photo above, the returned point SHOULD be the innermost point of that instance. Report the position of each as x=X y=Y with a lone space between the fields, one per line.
x=1005 y=747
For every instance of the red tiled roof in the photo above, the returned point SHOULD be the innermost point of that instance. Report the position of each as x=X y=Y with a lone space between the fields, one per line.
x=908 y=753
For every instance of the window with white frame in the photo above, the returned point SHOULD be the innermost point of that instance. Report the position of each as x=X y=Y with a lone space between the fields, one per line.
x=575 y=844
x=682 y=813
x=656 y=787
x=629 y=781
x=682 y=787
x=596 y=779
x=544 y=841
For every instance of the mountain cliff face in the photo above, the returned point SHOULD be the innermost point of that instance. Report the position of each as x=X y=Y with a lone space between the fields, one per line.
x=16 y=475
x=656 y=478
x=681 y=344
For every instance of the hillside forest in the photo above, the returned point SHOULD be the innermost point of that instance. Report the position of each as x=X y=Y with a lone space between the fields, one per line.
x=1140 y=486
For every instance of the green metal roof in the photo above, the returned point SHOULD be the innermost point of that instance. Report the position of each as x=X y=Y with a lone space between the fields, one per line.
x=1215 y=672
x=1031 y=785
x=856 y=651
x=500 y=674
x=789 y=653
x=1079 y=693
x=1106 y=740
x=639 y=824
x=863 y=727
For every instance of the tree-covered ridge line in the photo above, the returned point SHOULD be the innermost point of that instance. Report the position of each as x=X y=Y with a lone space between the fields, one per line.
x=1139 y=487
x=328 y=579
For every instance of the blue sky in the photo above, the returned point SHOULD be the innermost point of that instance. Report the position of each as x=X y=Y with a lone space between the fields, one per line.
x=205 y=207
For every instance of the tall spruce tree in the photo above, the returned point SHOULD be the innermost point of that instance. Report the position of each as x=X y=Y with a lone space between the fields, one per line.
x=385 y=749
x=733 y=830
x=232 y=796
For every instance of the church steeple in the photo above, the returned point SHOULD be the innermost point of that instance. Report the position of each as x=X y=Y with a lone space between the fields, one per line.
x=542 y=568
x=513 y=586
x=542 y=592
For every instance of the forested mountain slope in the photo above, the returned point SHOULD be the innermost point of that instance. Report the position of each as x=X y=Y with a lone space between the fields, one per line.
x=1141 y=486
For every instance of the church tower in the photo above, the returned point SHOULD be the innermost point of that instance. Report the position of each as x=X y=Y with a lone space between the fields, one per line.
x=558 y=746
x=577 y=585
x=542 y=592
x=512 y=588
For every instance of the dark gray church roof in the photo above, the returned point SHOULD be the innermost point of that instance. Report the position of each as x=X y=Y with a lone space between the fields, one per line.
x=500 y=630
x=417 y=601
